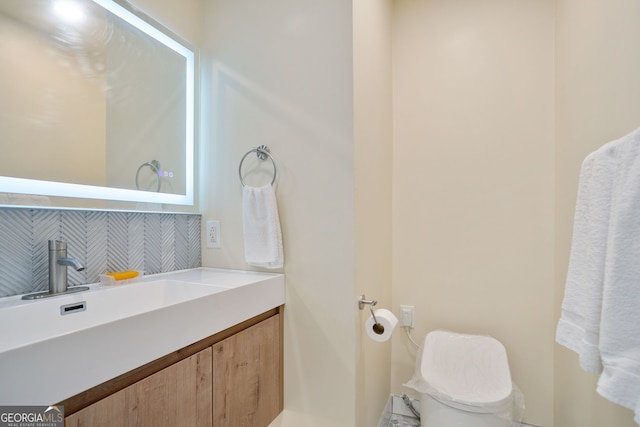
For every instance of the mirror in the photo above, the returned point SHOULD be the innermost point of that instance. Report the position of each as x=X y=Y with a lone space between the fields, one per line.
x=97 y=102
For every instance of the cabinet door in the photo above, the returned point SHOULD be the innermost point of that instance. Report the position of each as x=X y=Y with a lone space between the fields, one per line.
x=179 y=395
x=247 y=377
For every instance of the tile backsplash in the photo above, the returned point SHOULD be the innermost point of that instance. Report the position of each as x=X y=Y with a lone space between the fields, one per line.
x=103 y=240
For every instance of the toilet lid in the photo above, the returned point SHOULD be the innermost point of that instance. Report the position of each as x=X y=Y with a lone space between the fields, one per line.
x=469 y=369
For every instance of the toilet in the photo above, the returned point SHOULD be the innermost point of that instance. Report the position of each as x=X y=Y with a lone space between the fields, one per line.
x=464 y=381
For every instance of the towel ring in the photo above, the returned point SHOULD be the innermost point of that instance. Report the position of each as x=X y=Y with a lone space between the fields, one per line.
x=262 y=152
x=155 y=167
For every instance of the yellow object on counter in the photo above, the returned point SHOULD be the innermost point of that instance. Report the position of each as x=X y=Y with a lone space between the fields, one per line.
x=123 y=275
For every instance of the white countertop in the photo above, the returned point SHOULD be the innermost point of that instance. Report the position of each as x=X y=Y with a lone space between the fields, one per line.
x=46 y=357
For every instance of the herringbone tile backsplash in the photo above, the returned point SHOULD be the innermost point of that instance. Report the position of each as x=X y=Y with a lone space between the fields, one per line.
x=103 y=240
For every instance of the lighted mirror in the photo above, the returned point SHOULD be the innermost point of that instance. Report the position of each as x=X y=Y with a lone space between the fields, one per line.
x=96 y=102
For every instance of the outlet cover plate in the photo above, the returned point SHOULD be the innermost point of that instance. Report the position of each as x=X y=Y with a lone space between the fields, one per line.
x=212 y=234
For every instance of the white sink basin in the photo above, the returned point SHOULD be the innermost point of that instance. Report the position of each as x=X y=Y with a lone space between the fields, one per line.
x=46 y=356
x=52 y=317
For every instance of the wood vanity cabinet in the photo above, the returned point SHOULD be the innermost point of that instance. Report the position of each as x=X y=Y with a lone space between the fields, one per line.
x=231 y=379
x=247 y=377
x=177 y=395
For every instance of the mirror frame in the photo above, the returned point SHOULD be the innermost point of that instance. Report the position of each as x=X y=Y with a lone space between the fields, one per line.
x=61 y=189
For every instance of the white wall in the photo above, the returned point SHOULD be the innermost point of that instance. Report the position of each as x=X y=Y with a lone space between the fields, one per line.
x=282 y=75
x=473 y=180
x=373 y=161
x=597 y=101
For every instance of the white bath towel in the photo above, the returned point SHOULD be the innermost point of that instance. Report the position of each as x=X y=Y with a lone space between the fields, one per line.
x=579 y=325
x=600 y=317
x=261 y=226
x=620 y=323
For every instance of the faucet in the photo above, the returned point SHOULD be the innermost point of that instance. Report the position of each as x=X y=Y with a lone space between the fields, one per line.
x=58 y=263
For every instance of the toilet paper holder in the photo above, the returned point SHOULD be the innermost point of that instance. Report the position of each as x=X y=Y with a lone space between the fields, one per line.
x=362 y=301
x=378 y=328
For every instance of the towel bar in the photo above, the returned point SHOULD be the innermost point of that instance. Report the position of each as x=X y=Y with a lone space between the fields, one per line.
x=262 y=152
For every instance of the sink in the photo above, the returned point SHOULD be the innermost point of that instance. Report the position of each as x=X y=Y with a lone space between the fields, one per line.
x=46 y=319
x=47 y=356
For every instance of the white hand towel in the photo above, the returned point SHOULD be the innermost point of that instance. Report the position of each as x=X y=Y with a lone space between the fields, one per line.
x=261 y=226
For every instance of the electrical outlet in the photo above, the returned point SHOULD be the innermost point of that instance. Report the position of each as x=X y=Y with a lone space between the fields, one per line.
x=406 y=315
x=213 y=234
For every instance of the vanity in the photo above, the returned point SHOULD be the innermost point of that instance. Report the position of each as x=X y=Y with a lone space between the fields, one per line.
x=192 y=347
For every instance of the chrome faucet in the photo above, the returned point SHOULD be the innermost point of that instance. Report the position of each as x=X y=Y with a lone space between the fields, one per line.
x=58 y=263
